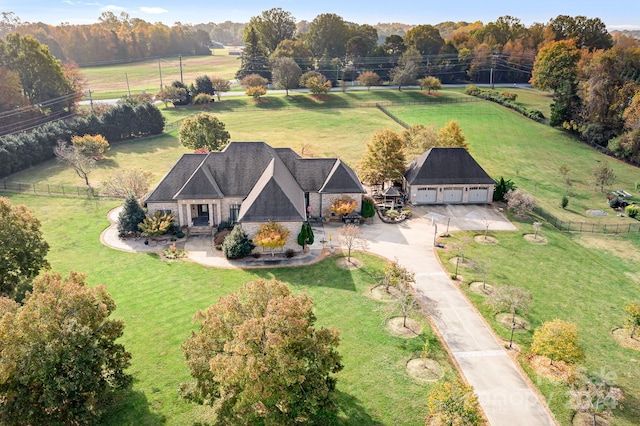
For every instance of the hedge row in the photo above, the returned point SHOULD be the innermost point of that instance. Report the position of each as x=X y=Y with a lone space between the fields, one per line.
x=122 y=121
x=506 y=99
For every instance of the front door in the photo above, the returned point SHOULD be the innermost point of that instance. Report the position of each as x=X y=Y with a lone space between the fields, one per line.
x=203 y=210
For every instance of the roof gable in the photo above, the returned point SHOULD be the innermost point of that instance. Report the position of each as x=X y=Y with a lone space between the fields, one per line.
x=342 y=179
x=276 y=196
x=175 y=178
x=446 y=166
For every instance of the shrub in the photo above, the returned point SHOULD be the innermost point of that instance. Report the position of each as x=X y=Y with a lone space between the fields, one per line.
x=225 y=225
x=509 y=95
x=617 y=203
x=158 y=224
x=368 y=208
x=502 y=187
x=289 y=253
x=565 y=202
x=202 y=99
x=392 y=214
x=633 y=211
x=506 y=99
x=237 y=244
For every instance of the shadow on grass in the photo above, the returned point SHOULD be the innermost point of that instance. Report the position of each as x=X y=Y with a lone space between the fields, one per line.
x=631 y=404
x=351 y=412
x=131 y=407
x=324 y=274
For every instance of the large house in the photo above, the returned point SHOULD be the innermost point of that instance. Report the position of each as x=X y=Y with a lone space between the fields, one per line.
x=447 y=176
x=252 y=183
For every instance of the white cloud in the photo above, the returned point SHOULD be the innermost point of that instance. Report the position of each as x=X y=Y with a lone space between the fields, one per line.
x=153 y=10
x=112 y=8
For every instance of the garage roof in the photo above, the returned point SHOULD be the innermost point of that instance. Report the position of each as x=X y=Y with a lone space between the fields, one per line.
x=447 y=166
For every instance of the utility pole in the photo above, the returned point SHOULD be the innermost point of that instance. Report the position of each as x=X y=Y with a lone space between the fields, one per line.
x=90 y=101
x=126 y=76
x=160 y=71
x=493 y=66
x=181 y=81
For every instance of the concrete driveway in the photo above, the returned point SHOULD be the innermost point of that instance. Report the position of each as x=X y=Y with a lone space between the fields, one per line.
x=502 y=391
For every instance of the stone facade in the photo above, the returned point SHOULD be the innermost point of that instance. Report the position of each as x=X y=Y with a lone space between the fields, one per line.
x=292 y=242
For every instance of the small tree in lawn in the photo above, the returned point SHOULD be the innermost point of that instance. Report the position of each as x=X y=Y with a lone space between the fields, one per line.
x=368 y=79
x=511 y=299
x=453 y=403
x=220 y=85
x=603 y=175
x=557 y=340
x=404 y=303
x=271 y=236
x=633 y=318
x=93 y=146
x=72 y=157
x=253 y=80
x=158 y=224
x=350 y=237
x=130 y=217
x=595 y=396
x=343 y=205
x=430 y=83
x=396 y=275
x=316 y=83
x=520 y=202
x=128 y=182
x=237 y=244
x=255 y=92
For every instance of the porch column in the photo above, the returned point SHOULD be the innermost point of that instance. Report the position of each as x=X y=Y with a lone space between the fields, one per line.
x=188 y=214
x=210 y=208
x=219 y=211
x=181 y=213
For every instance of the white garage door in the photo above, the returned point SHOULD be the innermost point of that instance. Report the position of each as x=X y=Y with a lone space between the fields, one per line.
x=452 y=195
x=426 y=195
x=478 y=195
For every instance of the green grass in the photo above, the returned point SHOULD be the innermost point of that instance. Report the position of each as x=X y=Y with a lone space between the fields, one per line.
x=157 y=300
x=110 y=81
x=588 y=286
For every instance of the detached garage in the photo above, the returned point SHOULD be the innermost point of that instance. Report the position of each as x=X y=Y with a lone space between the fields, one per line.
x=447 y=176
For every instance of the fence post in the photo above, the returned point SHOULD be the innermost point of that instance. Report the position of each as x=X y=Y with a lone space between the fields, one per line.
x=62 y=186
x=34 y=187
x=48 y=189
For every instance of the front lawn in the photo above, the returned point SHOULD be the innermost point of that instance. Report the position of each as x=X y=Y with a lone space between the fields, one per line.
x=157 y=300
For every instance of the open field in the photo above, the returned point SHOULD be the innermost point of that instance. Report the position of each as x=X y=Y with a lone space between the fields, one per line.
x=109 y=82
x=157 y=300
x=585 y=279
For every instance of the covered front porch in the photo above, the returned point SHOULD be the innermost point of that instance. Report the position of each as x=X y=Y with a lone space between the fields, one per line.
x=201 y=215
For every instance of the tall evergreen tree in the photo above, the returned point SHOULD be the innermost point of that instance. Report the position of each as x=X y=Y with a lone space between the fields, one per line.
x=254 y=56
x=130 y=216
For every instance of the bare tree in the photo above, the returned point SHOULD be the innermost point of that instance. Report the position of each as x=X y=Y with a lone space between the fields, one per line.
x=128 y=182
x=510 y=298
x=350 y=237
x=80 y=163
x=603 y=175
x=404 y=304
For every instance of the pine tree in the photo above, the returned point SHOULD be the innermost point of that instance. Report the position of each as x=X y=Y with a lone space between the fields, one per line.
x=254 y=57
x=130 y=216
x=237 y=244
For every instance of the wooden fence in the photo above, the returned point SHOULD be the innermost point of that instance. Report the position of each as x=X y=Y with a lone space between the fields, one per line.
x=52 y=189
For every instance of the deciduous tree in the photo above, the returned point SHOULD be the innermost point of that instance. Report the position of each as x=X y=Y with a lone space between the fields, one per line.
x=220 y=85
x=328 y=35
x=316 y=83
x=511 y=299
x=418 y=139
x=253 y=80
x=271 y=236
x=350 y=237
x=60 y=357
x=272 y=27
x=430 y=83
x=22 y=249
x=519 y=201
x=603 y=175
x=453 y=403
x=72 y=157
x=93 y=146
x=383 y=159
x=558 y=341
x=425 y=38
x=203 y=130
x=258 y=358
x=451 y=136
x=368 y=79
x=256 y=92
x=595 y=396
x=286 y=73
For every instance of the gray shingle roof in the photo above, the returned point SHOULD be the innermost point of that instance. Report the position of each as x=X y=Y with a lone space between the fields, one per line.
x=342 y=179
x=446 y=166
x=175 y=178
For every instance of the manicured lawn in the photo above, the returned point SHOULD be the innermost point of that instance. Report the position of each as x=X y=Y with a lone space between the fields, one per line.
x=108 y=82
x=570 y=278
x=157 y=301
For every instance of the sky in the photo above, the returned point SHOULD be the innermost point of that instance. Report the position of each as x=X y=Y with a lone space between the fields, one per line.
x=618 y=15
